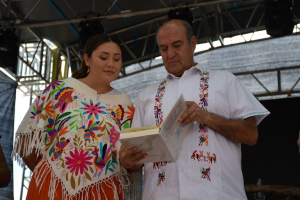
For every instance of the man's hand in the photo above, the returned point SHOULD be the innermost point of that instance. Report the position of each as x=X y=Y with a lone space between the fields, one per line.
x=193 y=114
x=241 y=131
x=128 y=158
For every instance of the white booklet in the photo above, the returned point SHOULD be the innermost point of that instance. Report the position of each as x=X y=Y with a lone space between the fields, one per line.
x=161 y=144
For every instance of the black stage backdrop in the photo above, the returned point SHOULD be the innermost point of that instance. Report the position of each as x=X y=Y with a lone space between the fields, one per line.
x=7 y=109
x=275 y=159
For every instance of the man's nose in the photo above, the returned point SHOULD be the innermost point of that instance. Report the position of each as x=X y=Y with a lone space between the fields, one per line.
x=171 y=53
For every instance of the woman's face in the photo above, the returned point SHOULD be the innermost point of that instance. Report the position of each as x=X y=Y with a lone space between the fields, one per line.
x=105 y=62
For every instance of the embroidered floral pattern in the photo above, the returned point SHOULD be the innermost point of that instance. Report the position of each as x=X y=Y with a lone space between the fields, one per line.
x=78 y=161
x=158 y=103
x=79 y=143
x=117 y=114
x=203 y=97
x=93 y=109
x=52 y=85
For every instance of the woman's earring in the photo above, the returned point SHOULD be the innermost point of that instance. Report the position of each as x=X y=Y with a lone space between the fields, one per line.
x=88 y=70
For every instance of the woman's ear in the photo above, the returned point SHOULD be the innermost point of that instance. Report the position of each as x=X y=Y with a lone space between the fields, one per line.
x=86 y=60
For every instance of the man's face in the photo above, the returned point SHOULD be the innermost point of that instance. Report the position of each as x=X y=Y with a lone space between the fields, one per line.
x=174 y=47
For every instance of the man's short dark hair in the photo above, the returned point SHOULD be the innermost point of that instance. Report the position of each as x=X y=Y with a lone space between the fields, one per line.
x=188 y=29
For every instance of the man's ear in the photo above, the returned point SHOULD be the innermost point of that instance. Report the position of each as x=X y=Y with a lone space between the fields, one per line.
x=194 y=42
x=86 y=60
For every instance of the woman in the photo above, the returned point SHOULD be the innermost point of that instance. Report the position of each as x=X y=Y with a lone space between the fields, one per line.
x=69 y=137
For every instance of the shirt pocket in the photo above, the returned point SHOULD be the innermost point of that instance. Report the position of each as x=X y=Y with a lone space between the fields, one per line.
x=203 y=168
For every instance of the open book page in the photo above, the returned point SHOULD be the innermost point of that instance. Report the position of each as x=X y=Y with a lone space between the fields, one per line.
x=161 y=144
x=171 y=131
x=153 y=144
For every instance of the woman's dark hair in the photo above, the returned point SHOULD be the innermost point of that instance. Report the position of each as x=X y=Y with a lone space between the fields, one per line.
x=92 y=44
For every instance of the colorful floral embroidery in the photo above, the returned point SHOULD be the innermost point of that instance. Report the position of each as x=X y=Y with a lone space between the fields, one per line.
x=161 y=177
x=79 y=142
x=64 y=97
x=114 y=136
x=203 y=97
x=158 y=103
x=78 y=161
x=205 y=158
x=59 y=148
x=203 y=140
x=205 y=173
x=52 y=85
x=117 y=114
x=93 y=109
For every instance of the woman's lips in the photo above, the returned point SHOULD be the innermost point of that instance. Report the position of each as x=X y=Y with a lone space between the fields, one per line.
x=109 y=72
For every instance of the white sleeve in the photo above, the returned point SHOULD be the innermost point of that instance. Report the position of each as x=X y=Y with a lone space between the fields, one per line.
x=242 y=102
x=139 y=114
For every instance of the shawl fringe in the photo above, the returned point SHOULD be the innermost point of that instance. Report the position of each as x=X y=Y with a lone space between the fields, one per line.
x=34 y=141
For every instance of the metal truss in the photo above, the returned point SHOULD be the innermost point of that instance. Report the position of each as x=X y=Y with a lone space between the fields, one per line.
x=279 y=90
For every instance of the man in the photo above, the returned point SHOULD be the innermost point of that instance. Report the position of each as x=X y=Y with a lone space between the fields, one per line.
x=224 y=114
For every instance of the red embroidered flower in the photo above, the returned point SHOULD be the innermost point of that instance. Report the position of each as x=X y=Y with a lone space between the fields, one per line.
x=78 y=161
x=93 y=109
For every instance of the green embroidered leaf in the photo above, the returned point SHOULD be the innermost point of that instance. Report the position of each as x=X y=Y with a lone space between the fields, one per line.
x=48 y=129
x=79 y=180
x=56 y=122
x=73 y=116
x=110 y=169
x=126 y=125
x=57 y=117
x=50 y=151
x=115 y=161
x=64 y=115
x=81 y=114
x=108 y=163
x=77 y=127
x=88 y=176
x=62 y=85
x=85 y=99
x=91 y=169
x=73 y=182
x=72 y=128
x=46 y=137
x=34 y=109
x=76 y=110
x=67 y=176
x=93 y=125
x=71 y=124
x=57 y=86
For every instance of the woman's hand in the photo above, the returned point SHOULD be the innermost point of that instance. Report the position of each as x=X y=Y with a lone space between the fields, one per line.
x=129 y=158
